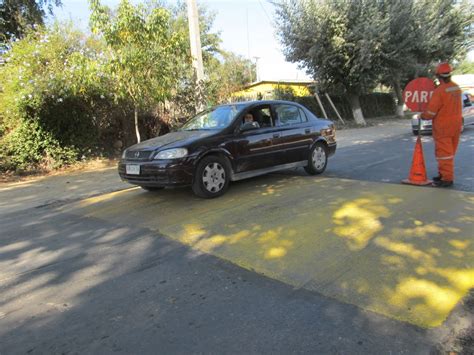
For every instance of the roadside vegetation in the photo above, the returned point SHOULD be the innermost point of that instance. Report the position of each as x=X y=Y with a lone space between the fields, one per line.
x=67 y=96
x=352 y=47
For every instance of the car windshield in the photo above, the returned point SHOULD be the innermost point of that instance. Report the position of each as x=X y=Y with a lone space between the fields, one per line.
x=216 y=118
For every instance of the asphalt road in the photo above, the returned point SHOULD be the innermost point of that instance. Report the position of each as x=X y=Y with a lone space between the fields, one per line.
x=385 y=153
x=72 y=283
x=95 y=287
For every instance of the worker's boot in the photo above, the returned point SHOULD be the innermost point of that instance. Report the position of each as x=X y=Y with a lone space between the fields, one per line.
x=442 y=183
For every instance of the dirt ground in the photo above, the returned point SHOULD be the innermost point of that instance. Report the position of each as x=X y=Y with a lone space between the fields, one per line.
x=88 y=165
x=460 y=339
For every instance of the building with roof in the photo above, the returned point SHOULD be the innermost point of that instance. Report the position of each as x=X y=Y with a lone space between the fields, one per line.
x=265 y=89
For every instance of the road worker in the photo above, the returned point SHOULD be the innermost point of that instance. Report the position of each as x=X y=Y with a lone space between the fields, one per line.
x=445 y=111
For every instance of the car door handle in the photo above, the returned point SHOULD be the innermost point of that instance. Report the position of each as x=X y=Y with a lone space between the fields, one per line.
x=276 y=135
x=307 y=130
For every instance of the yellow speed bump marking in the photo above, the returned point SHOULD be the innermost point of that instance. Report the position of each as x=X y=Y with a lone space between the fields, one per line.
x=401 y=251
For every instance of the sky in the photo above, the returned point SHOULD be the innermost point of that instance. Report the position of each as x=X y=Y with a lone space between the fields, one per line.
x=245 y=26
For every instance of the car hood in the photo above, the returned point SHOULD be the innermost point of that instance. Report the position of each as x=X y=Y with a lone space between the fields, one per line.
x=180 y=138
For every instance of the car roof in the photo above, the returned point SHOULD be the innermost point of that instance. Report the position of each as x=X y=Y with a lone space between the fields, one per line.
x=259 y=102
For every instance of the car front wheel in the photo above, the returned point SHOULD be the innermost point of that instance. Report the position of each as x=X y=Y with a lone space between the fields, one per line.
x=318 y=159
x=211 y=178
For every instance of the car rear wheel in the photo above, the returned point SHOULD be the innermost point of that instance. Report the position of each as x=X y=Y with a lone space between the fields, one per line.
x=415 y=132
x=211 y=178
x=318 y=159
x=152 y=188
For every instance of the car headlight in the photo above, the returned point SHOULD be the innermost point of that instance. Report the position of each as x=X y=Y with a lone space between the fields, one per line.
x=124 y=153
x=172 y=153
x=328 y=132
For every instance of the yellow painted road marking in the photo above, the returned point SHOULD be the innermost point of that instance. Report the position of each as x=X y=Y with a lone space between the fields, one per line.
x=401 y=251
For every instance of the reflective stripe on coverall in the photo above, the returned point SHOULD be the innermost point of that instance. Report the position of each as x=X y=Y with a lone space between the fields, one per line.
x=445 y=109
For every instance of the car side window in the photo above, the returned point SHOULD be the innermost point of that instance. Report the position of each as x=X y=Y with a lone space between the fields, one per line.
x=261 y=115
x=303 y=115
x=289 y=115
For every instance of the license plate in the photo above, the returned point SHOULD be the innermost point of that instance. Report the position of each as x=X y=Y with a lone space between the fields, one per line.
x=132 y=169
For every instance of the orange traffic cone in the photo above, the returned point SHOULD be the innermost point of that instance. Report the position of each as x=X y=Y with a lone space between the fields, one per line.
x=418 y=171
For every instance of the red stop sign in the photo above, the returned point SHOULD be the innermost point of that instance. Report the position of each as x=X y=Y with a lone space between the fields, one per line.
x=418 y=93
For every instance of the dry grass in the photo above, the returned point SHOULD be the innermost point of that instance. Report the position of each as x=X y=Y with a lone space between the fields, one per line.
x=88 y=165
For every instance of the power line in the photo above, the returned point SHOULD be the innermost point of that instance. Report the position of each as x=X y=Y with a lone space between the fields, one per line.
x=265 y=11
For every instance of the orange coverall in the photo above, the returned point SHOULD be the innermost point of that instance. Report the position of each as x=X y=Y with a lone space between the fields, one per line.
x=445 y=109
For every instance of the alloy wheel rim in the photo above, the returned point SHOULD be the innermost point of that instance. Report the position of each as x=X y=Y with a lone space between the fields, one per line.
x=319 y=158
x=213 y=177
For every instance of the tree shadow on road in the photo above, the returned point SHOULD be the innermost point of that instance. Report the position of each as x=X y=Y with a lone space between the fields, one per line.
x=111 y=273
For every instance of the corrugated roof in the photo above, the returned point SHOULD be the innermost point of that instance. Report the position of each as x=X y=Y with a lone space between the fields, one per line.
x=283 y=81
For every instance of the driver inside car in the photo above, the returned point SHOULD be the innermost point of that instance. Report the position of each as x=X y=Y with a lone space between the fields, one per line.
x=248 y=118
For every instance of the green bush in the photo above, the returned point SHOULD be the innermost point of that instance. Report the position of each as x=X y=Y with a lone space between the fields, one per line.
x=54 y=89
x=29 y=146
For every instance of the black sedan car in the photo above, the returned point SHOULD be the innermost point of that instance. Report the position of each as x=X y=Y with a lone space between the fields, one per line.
x=228 y=143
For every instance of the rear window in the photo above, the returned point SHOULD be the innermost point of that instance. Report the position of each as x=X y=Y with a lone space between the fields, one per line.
x=290 y=115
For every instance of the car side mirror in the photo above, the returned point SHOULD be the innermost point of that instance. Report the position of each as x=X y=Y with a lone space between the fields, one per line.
x=248 y=126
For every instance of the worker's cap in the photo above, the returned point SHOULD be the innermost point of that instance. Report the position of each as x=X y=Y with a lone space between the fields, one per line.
x=444 y=70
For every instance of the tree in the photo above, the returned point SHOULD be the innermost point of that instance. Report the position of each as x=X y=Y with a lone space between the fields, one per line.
x=210 y=42
x=17 y=15
x=398 y=50
x=338 y=42
x=228 y=75
x=145 y=52
x=352 y=46
x=55 y=99
x=419 y=34
x=225 y=72
x=465 y=67
x=190 y=94
x=446 y=29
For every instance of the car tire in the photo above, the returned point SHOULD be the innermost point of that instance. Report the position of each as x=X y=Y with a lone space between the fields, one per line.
x=212 y=176
x=317 y=160
x=415 y=132
x=152 y=188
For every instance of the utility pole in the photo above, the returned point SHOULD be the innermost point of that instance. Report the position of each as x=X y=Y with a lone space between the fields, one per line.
x=248 y=47
x=256 y=69
x=195 y=40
